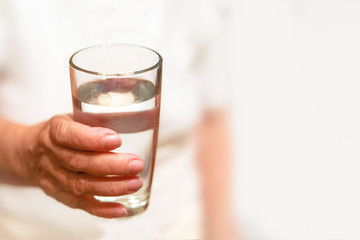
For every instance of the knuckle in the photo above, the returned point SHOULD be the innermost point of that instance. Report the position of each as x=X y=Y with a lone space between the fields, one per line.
x=53 y=122
x=73 y=162
x=111 y=166
x=79 y=184
x=108 y=166
x=58 y=129
x=47 y=186
x=114 y=189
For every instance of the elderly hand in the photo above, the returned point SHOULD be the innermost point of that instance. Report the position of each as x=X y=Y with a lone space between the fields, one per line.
x=72 y=162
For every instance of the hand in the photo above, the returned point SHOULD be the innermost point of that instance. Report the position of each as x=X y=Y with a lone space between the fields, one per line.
x=71 y=161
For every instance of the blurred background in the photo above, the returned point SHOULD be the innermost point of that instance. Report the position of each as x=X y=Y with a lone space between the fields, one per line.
x=296 y=77
x=289 y=73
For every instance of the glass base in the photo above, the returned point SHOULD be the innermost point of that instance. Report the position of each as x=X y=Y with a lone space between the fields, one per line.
x=133 y=204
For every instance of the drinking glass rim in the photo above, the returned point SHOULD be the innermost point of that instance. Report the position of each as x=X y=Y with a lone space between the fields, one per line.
x=157 y=64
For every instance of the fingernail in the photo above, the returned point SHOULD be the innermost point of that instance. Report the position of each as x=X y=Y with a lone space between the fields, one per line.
x=111 y=141
x=120 y=212
x=134 y=185
x=136 y=166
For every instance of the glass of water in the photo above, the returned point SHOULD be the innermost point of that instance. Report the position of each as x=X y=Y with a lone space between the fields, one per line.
x=118 y=86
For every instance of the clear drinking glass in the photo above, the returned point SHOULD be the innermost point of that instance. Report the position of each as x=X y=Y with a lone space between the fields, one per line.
x=118 y=86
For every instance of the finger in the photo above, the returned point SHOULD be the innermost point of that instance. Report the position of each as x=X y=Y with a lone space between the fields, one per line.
x=66 y=132
x=98 y=164
x=83 y=184
x=93 y=206
x=85 y=202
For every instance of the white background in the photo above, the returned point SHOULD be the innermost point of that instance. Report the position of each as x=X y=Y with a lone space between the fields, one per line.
x=296 y=71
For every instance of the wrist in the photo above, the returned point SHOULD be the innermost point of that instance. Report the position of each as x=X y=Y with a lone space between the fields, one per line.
x=13 y=159
x=25 y=153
